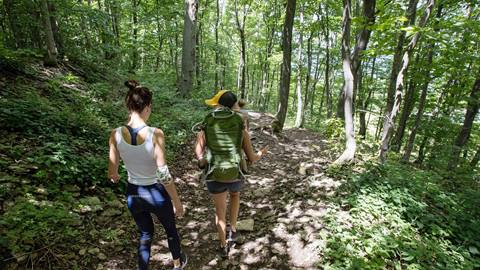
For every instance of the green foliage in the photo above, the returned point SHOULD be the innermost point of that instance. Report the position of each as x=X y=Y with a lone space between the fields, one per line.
x=32 y=225
x=398 y=217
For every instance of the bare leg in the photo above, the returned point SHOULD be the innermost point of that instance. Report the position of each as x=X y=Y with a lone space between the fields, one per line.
x=234 y=207
x=220 y=201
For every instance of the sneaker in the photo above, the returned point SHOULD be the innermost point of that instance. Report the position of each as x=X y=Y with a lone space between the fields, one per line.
x=183 y=261
x=232 y=236
x=223 y=251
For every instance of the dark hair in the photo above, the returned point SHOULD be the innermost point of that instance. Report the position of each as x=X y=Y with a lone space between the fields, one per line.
x=228 y=99
x=138 y=97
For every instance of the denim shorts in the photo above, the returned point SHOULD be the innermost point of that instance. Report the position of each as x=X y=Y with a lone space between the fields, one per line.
x=215 y=187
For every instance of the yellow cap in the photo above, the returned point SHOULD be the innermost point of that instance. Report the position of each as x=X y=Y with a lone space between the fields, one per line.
x=214 y=100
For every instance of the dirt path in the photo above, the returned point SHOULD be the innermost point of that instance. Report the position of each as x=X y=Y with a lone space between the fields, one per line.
x=284 y=201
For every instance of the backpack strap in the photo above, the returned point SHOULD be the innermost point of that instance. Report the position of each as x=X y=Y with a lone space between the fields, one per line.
x=134 y=132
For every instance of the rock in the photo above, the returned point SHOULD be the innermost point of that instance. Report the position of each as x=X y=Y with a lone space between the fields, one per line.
x=102 y=256
x=93 y=251
x=186 y=242
x=245 y=225
x=305 y=168
x=82 y=251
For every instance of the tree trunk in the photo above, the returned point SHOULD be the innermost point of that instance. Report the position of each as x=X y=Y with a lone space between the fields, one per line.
x=198 y=53
x=348 y=85
x=286 y=67
x=405 y=115
x=243 y=63
x=265 y=70
x=388 y=125
x=159 y=36
x=188 y=48
x=299 y=118
x=464 y=135
x=326 y=30
x=364 y=104
x=411 y=14
x=308 y=90
x=362 y=41
x=135 y=4
x=418 y=118
x=114 y=5
x=199 y=46
x=51 y=55
x=217 y=49
x=475 y=159
x=315 y=82
x=423 y=95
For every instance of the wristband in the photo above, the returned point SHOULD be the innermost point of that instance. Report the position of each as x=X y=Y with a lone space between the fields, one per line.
x=163 y=174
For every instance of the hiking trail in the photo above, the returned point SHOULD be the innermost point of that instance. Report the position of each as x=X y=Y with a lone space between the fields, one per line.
x=284 y=195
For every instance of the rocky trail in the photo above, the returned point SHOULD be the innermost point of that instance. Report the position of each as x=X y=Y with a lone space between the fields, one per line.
x=283 y=195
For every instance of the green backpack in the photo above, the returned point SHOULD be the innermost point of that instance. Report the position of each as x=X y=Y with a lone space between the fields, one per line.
x=224 y=133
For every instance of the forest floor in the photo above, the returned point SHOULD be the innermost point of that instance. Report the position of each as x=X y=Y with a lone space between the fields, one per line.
x=283 y=194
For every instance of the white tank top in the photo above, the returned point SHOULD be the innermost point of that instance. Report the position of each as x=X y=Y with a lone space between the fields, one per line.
x=139 y=159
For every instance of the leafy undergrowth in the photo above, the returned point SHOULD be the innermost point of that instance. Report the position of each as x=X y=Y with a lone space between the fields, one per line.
x=395 y=216
x=57 y=206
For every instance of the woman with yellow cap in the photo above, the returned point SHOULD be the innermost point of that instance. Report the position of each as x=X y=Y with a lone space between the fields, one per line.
x=218 y=150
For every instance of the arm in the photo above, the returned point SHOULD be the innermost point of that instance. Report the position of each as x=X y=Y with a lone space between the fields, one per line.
x=200 y=145
x=168 y=183
x=113 y=159
x=248 y=148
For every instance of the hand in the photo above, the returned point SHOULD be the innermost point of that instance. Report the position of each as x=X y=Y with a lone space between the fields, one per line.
x=114 y=178
x=202 y=163
x=263 y=151
x=178 y=210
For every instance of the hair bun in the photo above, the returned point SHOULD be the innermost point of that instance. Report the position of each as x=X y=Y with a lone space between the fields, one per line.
x=132 y=84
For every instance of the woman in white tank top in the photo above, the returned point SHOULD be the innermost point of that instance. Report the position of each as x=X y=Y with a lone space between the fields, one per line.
x=151 y=188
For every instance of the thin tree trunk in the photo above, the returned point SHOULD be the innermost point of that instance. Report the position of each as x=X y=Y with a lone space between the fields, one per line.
x=242 y=65
x=397 y=60
x=18 y=40
x=326 y=30
x=286 y=70
x=475 y=158
x=308 y=91
x=115 y=20
x=188 y=48
x=433 y=116
x=217 y=47
x=405 y=114
x=135 y=4
x=88 y=43
x=199 y=46
x=198 y=53
x=364 y=104
x=159 y=36
x=299 y=118
x=362 y=42
x=348 y=85
x=464 y=135
x=423 y=95
x=265 y=71
x=51 y=55
x=418 y=118
x=388 y=126
x=315 y=82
